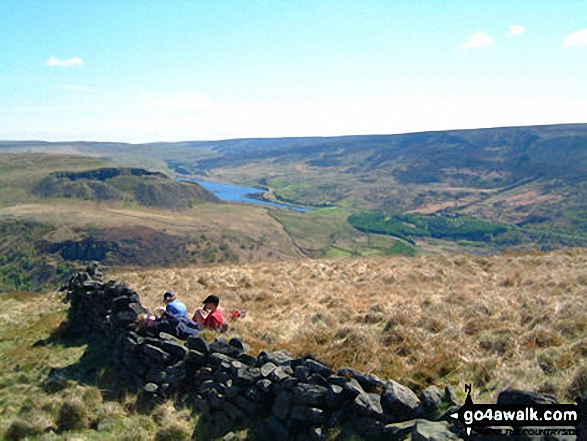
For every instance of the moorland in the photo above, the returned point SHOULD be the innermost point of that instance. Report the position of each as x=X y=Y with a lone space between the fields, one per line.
x=432 y=258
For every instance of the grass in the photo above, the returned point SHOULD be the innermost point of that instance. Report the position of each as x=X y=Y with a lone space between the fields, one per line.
x=76 y=409
x=494 y=321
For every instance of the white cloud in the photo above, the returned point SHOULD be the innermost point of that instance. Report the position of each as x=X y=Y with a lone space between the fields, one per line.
x=515 y=30
x=54 y=61
x=577 y=39
x=478 y=39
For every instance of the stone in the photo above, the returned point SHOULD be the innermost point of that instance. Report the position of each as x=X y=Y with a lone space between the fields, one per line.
x=232 y=392
x=317 y=434
x=174 y=348
x=216 y=399
x=235 y=365
x=246 y=405
x=155 y=353
x=308 y=414
x=206 y=386
x=282 y=405
x=196 y=358
x=235 y=342
x=309 y=395
x=352 y=388
x=432 y=431
x=120 y=303
x=399 y=402
x=368 y=405
x=369 y=382
x=222 y=360
x=270 y=429
x=399 y=430
x=247 y=359
x=198 y=344
x=234 y=413
x=230 y=436
x=254 y=395
x=267 y=368
x=279 y=358
x=450 y=397
x=334 y=396
x=515 y=396
x=338 y=380
x=264 y=386
x=301 y=372
x=317 y=367
x=201 y=405
x=246 y=376
x=150 y=388
x=280 y=373
x=289 y=383
x=368 y=428
x=431 y=399
x=318 y=380
x=223 y=347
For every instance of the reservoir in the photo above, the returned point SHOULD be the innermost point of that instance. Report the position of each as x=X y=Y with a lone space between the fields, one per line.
x=237 y=193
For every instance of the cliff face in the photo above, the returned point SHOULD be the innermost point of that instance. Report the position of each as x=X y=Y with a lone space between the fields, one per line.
x=273 y=394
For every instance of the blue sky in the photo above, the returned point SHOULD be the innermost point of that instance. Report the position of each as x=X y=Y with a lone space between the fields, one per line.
x=141 y=71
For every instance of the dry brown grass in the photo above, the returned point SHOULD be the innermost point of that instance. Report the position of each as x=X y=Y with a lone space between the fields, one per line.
x=494 y=321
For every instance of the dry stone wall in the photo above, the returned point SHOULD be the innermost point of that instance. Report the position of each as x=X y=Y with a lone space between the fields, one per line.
x=274 y=394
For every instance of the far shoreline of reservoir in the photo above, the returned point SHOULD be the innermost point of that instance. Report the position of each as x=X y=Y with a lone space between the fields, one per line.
x=241 y=194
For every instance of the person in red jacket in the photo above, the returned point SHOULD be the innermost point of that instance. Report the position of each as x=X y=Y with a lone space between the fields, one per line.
x=210 y=316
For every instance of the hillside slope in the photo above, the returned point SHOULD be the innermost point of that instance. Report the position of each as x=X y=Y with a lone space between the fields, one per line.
x=494 y=321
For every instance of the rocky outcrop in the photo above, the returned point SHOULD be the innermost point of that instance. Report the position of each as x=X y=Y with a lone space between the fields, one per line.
x=274 y=394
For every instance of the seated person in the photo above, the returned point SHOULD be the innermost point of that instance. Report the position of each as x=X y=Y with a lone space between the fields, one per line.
x=210 y=316
x=174 y=306
x=177 y=325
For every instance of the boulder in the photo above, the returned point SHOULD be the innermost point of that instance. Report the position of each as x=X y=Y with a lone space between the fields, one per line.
x=279 y=358
x=432 y=431
x=317 y=367
x=369 y=382
x=368 y=405
x=267 y=368
x=515 y=396
x=399 y=402
x=431 y=399
x=310 y=395
x=280 y=373
x=174 y=348
x=198 y=344
x=158 y=355
x=247 y=406
x=308 y=414
x=282 y=405
x=270 y=429
x=223 y=347
x=335 y=396
x=234 y=413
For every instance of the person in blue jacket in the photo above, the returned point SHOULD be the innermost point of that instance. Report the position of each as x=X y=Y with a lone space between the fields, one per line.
x=174 y=306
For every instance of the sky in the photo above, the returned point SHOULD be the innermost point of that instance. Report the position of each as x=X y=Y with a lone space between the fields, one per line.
x=153 y=70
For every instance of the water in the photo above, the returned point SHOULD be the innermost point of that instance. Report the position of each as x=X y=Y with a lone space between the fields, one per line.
x=237 y=193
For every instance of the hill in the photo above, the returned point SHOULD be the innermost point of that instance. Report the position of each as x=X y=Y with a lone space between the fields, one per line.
x=490 y=321
x=56 y=210
x=530 y=179
x=150 y=189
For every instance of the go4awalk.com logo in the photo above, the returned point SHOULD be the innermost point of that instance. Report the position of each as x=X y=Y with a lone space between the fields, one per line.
x=527 y=419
